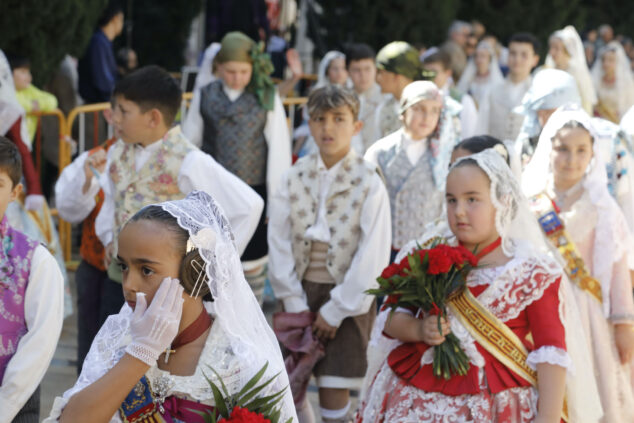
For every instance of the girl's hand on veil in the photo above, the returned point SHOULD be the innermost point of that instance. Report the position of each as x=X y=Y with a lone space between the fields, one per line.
x=624 y=337
x=154 y=327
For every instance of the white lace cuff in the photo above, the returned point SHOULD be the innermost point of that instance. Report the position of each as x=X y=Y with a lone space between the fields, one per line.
x=551 y=355
x=143 y=353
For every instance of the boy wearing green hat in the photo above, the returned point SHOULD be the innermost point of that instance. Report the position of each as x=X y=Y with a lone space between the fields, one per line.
x=397 y=66
x=245 y=130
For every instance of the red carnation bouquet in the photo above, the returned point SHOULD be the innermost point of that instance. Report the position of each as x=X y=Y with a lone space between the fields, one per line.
x=246 y=406
x=427 y=279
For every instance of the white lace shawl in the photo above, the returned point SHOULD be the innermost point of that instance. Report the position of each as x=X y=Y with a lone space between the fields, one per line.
x=109 y=346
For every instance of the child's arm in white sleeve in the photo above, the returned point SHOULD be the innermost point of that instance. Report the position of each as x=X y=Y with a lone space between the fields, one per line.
x=282 y=274
x=241 y=204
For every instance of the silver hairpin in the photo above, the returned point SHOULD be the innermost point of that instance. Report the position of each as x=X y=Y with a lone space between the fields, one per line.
x=198 y=267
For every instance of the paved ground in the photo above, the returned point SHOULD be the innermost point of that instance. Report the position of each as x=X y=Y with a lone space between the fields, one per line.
x=61 y=375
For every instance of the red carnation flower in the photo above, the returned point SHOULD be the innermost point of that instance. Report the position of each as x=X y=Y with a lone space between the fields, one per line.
x=242 y=415
x=391 y=270
x=439 y=262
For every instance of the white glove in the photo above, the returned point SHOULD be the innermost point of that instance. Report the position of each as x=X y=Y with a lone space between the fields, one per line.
x=153 y=328
x=34 y=202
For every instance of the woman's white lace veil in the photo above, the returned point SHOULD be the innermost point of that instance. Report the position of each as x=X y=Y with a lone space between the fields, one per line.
x=471 y=71
x=612 y=237
x=235 y=306
x=322 y=72
x=624 y=84
x=10 y=108
x=193 y=125
x=577 y=65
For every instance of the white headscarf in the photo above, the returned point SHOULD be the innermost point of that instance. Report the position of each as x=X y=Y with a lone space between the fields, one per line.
x=577 y=66
x=10 y=109
x=471 y=72
x=624 y=84
x=193 y=124
x=550 y=89
x=612 y=236
x=322 y=73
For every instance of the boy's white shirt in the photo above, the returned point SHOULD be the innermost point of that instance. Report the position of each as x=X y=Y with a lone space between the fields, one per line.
x=372 y=256
x=44 y=315
x=468 y=114
x=199 y=172
x=276 y=134
x=514 y=92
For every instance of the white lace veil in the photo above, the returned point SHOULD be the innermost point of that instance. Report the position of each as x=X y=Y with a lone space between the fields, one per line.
x=612 y=237
x=471 y=71
x=577 y=66
x=235 y=307
x=550 y=89
x=623 y=73
x=10 y=109
x=322 y=72
x=192 y=125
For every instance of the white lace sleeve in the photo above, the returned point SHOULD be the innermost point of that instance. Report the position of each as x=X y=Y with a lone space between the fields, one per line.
x=551 y=355
x=106 y=350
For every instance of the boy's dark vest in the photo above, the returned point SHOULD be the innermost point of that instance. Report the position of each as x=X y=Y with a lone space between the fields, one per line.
x=233 y=133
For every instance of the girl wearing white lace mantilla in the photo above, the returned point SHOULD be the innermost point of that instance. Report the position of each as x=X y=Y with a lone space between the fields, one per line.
x=516 y=282
x=566 y=52
x=567 y=168
x=150 y=360
x=612 y=77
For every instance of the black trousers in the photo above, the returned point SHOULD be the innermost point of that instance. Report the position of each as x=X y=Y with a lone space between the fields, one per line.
x=97 y=298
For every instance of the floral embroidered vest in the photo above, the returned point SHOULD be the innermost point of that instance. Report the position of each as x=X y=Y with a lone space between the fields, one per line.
x=233 y=133
x=16 y=253
x=91 y=249
x=344 y=206
x=414 y=199
x=157 y=180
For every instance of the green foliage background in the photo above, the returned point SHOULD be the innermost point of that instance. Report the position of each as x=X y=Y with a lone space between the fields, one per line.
x=378 y=22
x=46 y=31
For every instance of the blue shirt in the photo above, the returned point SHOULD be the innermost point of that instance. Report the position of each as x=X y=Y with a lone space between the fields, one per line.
x=97 y=69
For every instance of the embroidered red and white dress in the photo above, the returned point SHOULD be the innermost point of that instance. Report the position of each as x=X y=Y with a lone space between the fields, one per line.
x=524 y=294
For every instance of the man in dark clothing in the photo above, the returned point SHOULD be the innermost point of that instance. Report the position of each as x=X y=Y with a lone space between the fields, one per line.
x=246 y=16
x=97 y=68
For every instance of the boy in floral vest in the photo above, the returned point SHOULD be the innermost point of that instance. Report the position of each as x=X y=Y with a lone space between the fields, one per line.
x=329 y=236
x=152 y=163
x=32 y=304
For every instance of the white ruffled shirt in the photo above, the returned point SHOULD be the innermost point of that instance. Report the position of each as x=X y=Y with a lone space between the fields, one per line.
x=372 y=255
x=43 y=311
x=199 y=172
x=276 y=133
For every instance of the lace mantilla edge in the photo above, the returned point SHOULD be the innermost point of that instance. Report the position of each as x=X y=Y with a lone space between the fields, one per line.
x=516 y=285
x=551 y=355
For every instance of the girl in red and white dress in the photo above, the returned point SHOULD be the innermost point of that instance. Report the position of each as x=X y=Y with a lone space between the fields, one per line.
x=515 y=280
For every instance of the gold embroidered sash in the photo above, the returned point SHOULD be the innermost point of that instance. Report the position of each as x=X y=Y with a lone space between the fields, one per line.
x=555 y=231
x=495 y=336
